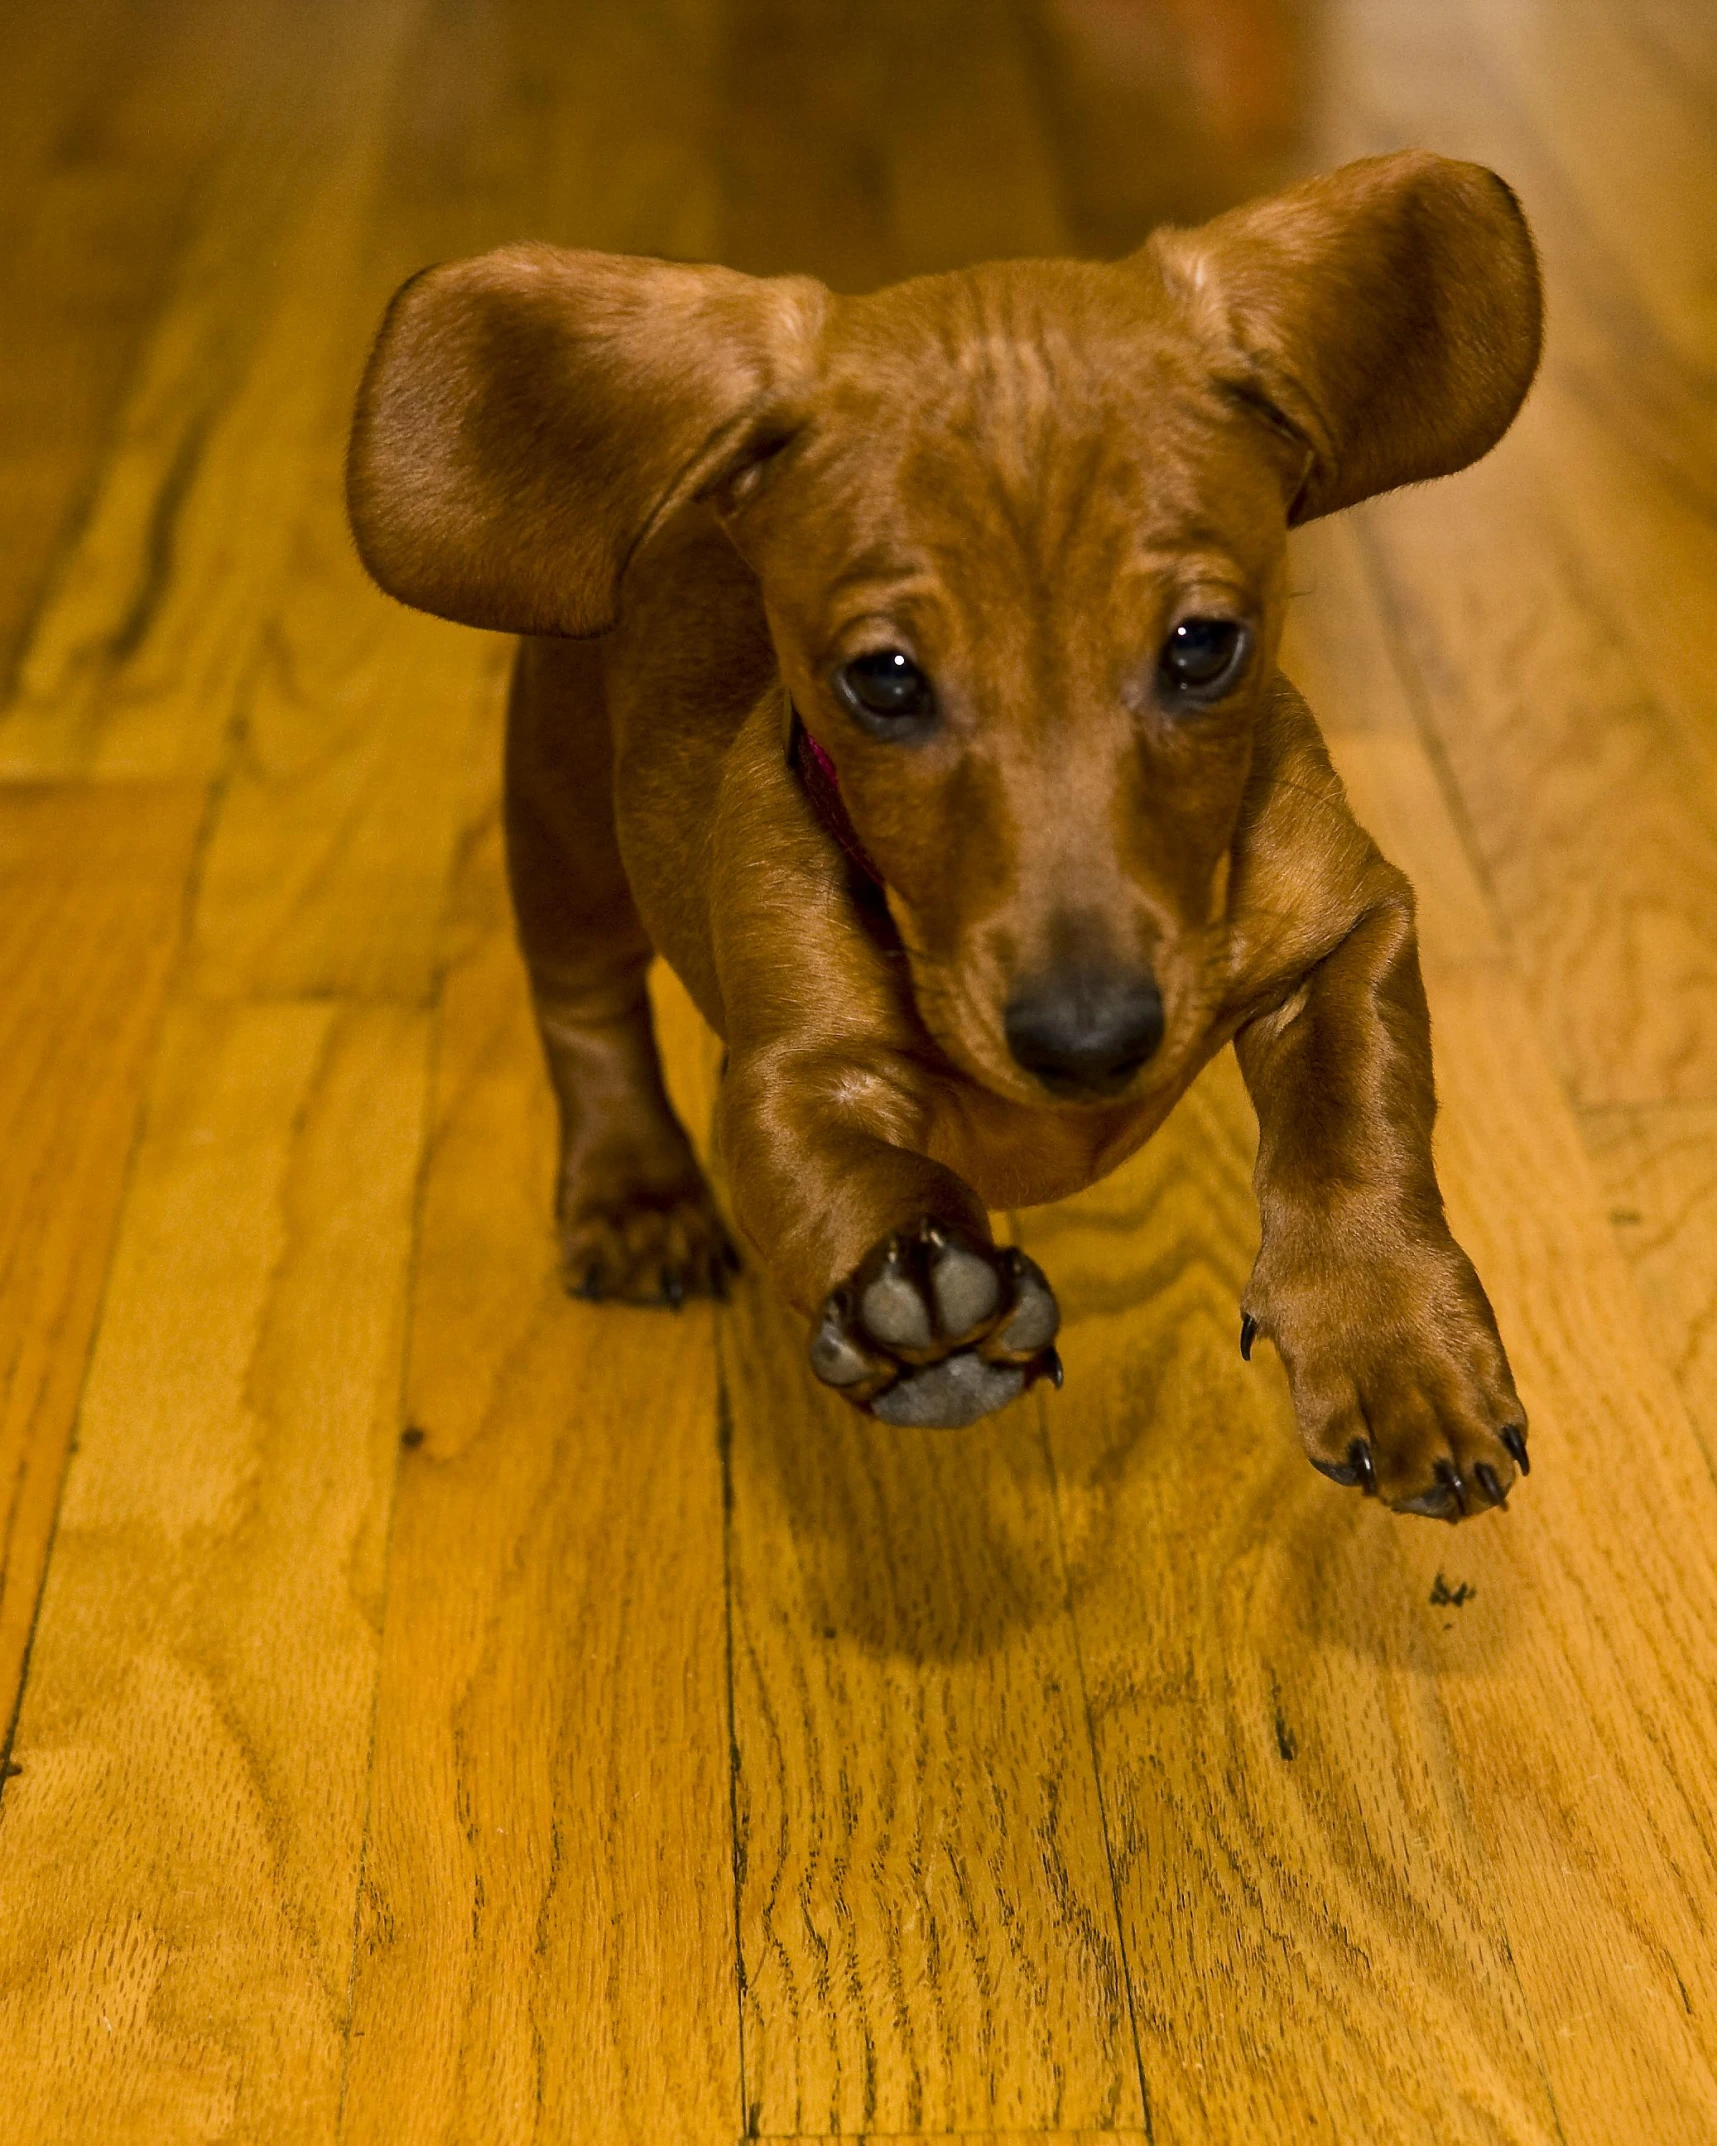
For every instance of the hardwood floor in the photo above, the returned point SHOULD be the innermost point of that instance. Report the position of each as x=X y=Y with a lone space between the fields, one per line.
x=433 y=1709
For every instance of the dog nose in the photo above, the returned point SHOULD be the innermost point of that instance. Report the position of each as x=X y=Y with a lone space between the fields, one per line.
x=1086 y=1034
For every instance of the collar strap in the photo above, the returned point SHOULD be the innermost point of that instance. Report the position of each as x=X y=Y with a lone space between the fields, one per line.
x=820 y=783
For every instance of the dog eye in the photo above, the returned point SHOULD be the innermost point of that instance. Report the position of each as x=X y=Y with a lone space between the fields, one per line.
x=884 y=688
x=1201 y=658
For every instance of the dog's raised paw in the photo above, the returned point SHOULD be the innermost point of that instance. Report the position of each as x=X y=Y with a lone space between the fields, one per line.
x=934 y=1329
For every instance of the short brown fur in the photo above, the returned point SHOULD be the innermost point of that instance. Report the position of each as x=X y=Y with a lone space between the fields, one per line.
x=700 y=494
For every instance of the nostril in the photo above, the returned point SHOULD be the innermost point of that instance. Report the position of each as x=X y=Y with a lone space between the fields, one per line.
x=1086 y=1035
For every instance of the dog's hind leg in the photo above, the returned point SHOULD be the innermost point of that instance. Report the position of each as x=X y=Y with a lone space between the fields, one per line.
x=636 y=1219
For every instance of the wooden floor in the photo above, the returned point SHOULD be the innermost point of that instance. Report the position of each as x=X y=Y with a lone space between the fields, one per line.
x=435 y=1710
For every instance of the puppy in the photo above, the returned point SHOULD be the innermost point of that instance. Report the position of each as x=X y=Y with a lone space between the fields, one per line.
x=902 y=669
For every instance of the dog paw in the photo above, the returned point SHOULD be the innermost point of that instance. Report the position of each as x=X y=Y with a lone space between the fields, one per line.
x=1399 y=1380
x=647 y=1245
x=933 y=1329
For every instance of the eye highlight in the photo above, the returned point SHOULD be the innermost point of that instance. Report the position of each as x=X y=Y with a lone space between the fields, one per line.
x=1202 y=658
x=885 y=691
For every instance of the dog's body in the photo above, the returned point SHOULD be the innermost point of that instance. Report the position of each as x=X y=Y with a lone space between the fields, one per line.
x=1001 y=554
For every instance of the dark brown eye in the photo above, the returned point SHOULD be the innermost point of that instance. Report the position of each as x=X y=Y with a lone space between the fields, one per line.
x=886 y=691
x=1201 y=658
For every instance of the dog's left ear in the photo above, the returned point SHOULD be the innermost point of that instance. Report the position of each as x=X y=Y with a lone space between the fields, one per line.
x=527 y=418
x=1389 y=315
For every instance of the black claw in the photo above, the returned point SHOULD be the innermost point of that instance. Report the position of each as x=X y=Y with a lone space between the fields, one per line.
x=673 y=1288
x=591 y=1287
x=1052 y=1368
x=718 y=1278
x=1489 y=1485
x=1514 y=1437
x=1248 y=1334
x=1450 y=1477
x=1364 y=1467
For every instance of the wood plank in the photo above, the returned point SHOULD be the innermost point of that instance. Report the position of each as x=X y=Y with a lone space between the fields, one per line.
x=1637 y=152
x=327 y=863
x=179 y=1857
x=1586 y=1734
x=92 y=891
x=335 y=831
x=1591 y=819
x=1647 y=541
x=137 y=661
x=1658 y=1172
x=1296 y=1871
x=108 y=114
x=546 y=1947
x=927 y=1929
x=1582 y=1360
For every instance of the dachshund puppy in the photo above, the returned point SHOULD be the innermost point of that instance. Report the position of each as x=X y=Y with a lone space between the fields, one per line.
x=902 y=669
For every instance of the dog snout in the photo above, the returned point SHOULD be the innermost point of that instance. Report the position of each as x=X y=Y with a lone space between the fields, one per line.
x=1086 y=1034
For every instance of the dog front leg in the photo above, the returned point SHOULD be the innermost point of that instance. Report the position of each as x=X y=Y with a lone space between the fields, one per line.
x=917 y=1315
x=1399 y=1378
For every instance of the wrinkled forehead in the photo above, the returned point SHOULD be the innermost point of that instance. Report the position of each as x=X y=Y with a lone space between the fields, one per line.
x=1032 y=411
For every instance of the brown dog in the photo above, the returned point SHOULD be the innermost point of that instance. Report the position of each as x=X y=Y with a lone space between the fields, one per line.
x=902 y=668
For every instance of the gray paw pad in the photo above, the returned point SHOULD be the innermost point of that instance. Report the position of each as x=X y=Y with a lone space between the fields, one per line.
x=833 y=1357
x=948 y=1395
x=893 y=1305
x=967 y=1289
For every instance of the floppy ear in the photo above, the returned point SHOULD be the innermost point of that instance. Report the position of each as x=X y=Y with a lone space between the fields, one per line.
x=1388 y=315
x=527 y=417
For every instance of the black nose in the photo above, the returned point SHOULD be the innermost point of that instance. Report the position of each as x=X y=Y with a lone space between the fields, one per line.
x=1086 y=1034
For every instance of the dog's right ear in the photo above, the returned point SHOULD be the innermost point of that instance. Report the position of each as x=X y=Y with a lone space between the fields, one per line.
x=526 y=418
x=1386 y=315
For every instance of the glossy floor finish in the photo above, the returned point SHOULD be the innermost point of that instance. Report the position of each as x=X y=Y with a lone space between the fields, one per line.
x=438 y=1710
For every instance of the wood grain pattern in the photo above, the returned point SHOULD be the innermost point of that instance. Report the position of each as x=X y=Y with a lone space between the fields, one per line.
x=546 y=1943
x=1293 y=1849
x=108 y=115
x=179 y=1854
x=1658 y=1171
x=91 y=897
x=927 y=1927
x=362 y=721
x=1587 y=812
x=136 y=662
x=1605 y=1787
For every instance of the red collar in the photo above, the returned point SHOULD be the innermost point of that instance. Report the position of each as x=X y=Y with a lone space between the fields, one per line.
x=816 y=772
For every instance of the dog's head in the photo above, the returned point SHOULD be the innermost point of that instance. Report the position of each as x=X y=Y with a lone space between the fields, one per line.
x=1019 y=532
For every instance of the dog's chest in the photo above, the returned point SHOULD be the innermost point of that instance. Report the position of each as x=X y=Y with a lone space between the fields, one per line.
x=1012 y=1156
